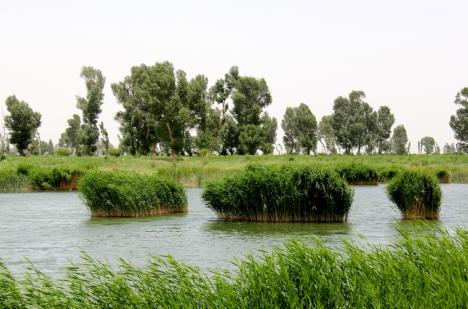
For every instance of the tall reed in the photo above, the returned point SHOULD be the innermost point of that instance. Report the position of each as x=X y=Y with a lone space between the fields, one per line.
x=281 y=194
x=126 y=194
x=416 y=194
x=358 y=174
x=422 y=270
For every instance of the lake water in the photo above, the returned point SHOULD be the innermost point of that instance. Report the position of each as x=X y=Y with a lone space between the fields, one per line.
x=50 y=229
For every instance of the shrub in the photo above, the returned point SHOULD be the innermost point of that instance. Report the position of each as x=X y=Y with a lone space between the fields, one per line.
x=358 y=174
x=125 y=194
x=62 y=151
x=115 y=151
x=443 y=176
x=284 y=194
x=416 y=194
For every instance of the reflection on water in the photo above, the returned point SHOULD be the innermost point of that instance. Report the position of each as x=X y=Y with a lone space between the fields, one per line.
x=50 y=229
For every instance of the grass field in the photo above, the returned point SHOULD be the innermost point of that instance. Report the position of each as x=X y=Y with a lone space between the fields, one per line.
x=196 y=171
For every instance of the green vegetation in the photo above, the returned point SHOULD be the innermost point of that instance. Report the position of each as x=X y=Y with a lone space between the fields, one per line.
x=50 y=178
x=125 y=194
x=416 y=194
x=22 y=122
x=419 y=271
x=11 y=181
x=197 y=171
x=459 y=121
x=281 y=194
x=358 y=174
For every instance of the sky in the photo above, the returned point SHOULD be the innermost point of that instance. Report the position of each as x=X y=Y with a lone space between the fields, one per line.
x=409 y=55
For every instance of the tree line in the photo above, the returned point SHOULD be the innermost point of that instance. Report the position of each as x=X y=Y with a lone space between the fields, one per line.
x=165 y=112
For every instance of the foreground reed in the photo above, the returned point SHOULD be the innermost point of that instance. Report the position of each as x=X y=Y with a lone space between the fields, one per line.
x=427 y=270
x=125 y=194
x=281 y=194
x=416 y=194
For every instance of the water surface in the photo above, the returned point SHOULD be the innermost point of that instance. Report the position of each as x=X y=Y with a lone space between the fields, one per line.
x=50 y=229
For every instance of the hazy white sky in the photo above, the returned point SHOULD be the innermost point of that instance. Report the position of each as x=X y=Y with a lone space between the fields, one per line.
x=409 y=55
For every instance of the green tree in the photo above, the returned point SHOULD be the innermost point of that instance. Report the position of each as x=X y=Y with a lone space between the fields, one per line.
x=230 y=136
x=22 y=123
x=300 y=129
x=91 y=107
x=138 y=125
x=385 y=121
x=251 y=138
x=428 y=144
x=399 y=140
x=160 y=106
x=269 y=127
x=71 y=138
x=353 y=121
x=104 y=139
x=459 y=121
x=326 y=135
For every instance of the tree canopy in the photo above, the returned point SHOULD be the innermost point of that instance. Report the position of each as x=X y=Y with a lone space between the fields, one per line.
x=459 y=121
x=22 y=122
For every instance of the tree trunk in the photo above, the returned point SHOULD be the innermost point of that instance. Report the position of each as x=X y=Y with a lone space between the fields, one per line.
x=171 y=141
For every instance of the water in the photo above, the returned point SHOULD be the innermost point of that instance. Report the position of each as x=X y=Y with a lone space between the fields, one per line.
x=51 y=229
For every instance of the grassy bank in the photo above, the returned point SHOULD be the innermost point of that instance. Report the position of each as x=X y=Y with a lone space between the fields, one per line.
x=196 y=171
x=422 y=270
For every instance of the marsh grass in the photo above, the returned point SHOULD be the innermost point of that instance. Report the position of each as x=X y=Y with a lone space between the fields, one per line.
x=417 y=195
x=290 y=193
x=126 y=194
x=358 y=174
x=10 y=181
x=197 y=171
x=423 y=269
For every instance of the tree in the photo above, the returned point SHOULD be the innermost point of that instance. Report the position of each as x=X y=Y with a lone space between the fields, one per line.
x=91 y=107
x=385 y=121
x=352 y=121
x=450 y=148
x=22 y=123
x=269 y=126
x=104 y=139
x=160 y=106
x=230 y=136
x=459 y=121
x=71 y=138
x=300 y=129
x=326 y=135
x=399 y=140
x=428 y=144
x=251 y=138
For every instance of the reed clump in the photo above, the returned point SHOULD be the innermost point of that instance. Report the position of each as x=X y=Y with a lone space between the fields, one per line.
x=421 y=270
x=44 y=178
x=416 y=194
x=358 y=174
x=443 y=176
x=126 y=194
x=281 y=194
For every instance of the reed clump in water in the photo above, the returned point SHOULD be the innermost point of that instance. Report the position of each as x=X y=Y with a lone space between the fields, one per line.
x=126 y=194
x=281 y=194
x=421 y=270
x=416 y=194
x=358 y=174
x=44 y=178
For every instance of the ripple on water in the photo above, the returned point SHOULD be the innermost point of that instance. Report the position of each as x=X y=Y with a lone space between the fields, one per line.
x=51 y=229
